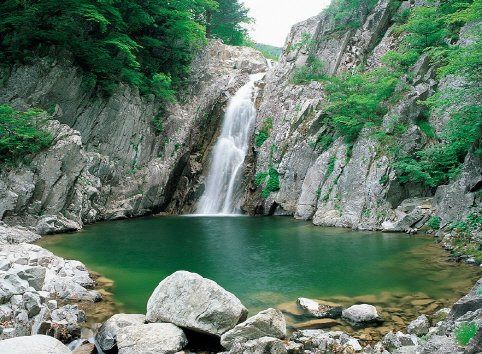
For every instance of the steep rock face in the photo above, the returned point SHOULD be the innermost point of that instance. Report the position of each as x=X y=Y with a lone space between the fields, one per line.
x=107 y=160
x=341 y=186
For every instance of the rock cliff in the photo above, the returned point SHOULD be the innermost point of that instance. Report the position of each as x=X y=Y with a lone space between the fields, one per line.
x=349 y=186
x=108 y=160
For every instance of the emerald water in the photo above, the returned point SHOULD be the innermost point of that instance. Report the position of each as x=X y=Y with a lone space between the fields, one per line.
x=266 y=261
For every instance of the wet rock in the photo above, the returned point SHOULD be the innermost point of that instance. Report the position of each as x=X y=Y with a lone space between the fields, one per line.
x=475 y=344
x=264 y=345
x=65 y=324
x=107 y=334
x=86 y=348
x=152 y=338
x=419 y=326
x=317 y=339
x=37 y=344
x=320 y=309
x=440 y=315
x=393 y=341
x=441 y=345
x=361 y=314
x=470 y=302
x=294 y=348
x=267 y=323
x=188 y=300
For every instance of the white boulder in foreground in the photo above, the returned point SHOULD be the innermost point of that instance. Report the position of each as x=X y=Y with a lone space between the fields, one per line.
x=267 y=323
x=152 y=338
x=37 y=344
x=107 y=335
x=359 y=314
x=190 y=301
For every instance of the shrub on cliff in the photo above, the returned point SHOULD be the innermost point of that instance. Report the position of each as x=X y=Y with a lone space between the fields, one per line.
x=21 y=133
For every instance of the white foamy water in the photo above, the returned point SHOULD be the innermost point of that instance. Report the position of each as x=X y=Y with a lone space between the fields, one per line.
x=223 y=185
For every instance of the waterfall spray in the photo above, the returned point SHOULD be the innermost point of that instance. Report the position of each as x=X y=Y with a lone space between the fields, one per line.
x=222 y=194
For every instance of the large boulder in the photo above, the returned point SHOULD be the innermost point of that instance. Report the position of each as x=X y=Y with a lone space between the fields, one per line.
x=318 y=309
x=107 y=335
x=37 y=344
x=264 y=345
x=191 y=301
x=361 y=314
x=152 y=338
x=267 y=323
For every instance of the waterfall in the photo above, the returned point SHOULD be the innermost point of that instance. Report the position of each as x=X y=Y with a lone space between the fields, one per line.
x=222 y=194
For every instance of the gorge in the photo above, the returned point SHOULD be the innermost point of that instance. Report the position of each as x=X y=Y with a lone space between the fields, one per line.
x=342 y=181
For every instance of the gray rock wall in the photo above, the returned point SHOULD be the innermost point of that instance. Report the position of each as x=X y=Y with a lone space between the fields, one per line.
x=329 y=187
x=107 y=161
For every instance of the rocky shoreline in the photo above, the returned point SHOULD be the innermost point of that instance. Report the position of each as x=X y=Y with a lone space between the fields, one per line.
x=42 y=294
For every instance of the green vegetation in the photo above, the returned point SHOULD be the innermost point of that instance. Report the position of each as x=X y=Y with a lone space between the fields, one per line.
x=273 y=183
x=330 y=168
x=360 y=99
x=21 y=133
x=225 y=22
x=312 y=71
x=349 y=13
x=466 y=240
x=323 y=142
x=434 y=222
x=147 y=44
x=384 y=180
x=465 y=332
x=263 y=133
x=268 y=51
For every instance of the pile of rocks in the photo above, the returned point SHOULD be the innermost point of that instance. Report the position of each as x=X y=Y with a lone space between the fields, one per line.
x=32 y=282
x=185 y=303
x=438 y=333
x=186 y=310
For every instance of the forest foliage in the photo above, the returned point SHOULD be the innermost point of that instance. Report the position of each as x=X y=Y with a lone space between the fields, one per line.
x=21 y=133
x=145 y=43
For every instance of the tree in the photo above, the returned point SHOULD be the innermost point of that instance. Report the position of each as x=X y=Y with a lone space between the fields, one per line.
x=145 y=43
x=225 y=22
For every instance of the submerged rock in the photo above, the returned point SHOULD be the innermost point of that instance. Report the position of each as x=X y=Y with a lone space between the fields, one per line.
x=320 y=309
x=37 y=344
x=107 y=335
x=152 y=338
x=361 y=314
x=267 y=323
x=191 y=301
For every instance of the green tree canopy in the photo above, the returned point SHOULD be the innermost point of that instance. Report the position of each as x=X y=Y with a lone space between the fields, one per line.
x=146 y=43
x=226 y=22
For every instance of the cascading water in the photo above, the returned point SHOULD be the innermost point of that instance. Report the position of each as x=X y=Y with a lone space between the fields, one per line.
x=222 y=193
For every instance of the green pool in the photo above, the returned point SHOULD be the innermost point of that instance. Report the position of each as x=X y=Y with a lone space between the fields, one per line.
x=266 y=261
